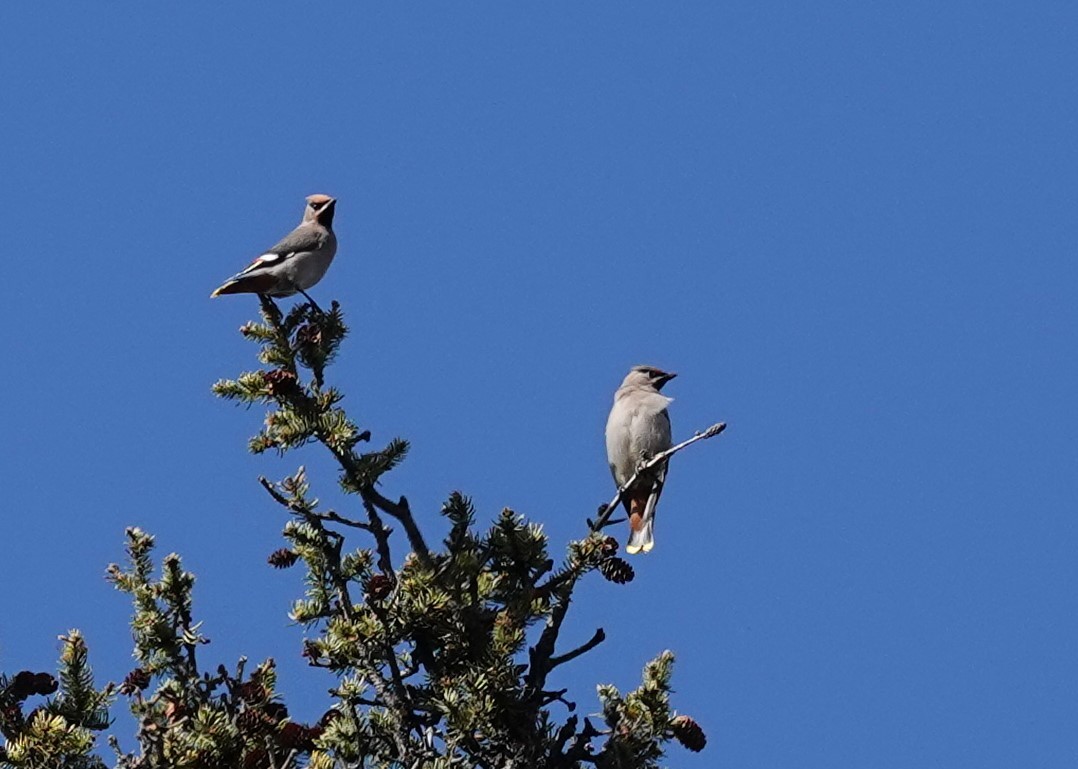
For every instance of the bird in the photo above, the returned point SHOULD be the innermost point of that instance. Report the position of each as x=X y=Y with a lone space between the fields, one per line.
x=297 y=262
x=637 y=429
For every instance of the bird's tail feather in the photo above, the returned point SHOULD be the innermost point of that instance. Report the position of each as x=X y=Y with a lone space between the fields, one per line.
x=246 y=284
x=227 y=288
x=643 y=539
x=642 y=525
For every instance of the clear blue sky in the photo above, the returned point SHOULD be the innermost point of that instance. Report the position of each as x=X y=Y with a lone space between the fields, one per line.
x=849 y=226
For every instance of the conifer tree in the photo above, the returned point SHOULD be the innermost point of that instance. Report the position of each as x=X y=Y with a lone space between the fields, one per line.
x=440 y=652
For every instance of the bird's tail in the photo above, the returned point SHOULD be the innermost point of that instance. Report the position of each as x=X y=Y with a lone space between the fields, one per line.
x=227 y=288
x=246 y=284
x=642 y=522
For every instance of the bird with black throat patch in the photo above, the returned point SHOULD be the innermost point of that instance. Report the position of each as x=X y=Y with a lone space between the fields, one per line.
x=637 y=429
x=297 y=262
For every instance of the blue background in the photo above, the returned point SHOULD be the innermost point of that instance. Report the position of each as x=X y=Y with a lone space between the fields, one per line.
x=849 y=226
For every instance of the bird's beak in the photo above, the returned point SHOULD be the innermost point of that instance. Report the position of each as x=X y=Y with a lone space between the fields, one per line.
x=663 y=380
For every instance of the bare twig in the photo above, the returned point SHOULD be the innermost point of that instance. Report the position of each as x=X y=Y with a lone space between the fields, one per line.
x=400 y=688
x=561 y=659
x=567 y=731
x=334 y=568
x=394 y=702
x=278 y=497
x=381 y=537
x=581 y=747
x=401 y=511
x=604 y=518
x=558 y=696
x=335 y=517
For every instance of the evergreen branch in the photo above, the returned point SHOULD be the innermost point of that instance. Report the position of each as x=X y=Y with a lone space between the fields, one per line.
x=542 y=653
x=398 y=510
x=328 y=516
x=604 y=516
x=284 y=355
x=278 y=497
x=405 y=707
x=401 y=511
x=335 y=540
x=272 y=313
x=459 y=616
x=556 y=581
x=394 y=703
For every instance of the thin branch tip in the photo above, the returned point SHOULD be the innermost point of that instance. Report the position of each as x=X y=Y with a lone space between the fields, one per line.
x=595 y=640
x=604 y=517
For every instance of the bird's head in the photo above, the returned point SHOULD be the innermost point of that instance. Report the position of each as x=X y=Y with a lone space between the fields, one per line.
x=647 y=376
x=320 y=209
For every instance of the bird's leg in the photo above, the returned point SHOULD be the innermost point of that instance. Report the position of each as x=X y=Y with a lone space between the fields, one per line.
x=310 y=301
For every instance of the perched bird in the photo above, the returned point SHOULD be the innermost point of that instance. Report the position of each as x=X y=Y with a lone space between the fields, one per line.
x=297 y=262
x=639 y=428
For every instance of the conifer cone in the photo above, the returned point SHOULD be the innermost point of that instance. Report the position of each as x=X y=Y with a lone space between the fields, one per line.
x=27 y=683
x=135 y=681
x=379 y=586
x=617 y=570
x=282 y=559
x=44 y=683
x=688 y=733
x=280 y=382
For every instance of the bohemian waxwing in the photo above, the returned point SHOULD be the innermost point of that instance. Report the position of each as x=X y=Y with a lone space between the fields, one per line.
x=297 y=262
x=639 y=428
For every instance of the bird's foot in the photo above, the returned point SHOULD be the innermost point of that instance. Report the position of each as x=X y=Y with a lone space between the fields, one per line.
x=311 y=302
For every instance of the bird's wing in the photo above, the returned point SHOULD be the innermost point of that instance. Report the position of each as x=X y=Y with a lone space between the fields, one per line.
x=298 y=241
x=664 y=440
x=617 y=442
x=303 y=238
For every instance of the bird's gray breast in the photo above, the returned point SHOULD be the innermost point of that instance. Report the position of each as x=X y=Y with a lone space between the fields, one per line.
x=307 y=268
x=639 y=426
